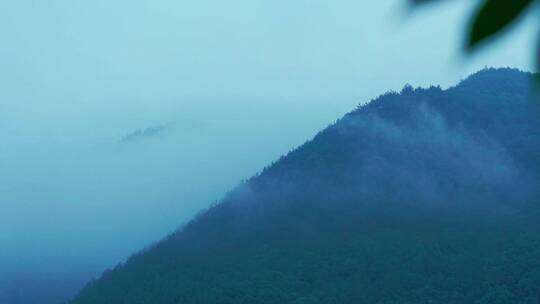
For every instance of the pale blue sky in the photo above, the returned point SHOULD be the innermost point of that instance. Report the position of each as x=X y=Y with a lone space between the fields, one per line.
x=79 y=62
x=236 y=83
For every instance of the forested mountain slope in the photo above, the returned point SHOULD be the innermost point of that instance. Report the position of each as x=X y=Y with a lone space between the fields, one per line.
x=422 y=196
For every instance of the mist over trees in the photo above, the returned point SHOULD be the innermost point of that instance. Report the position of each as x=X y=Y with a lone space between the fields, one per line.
x=421 y=196
x=143 y=134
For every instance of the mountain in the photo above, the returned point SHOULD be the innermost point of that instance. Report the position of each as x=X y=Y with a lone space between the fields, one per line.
x=140 y=134
x=422 y=196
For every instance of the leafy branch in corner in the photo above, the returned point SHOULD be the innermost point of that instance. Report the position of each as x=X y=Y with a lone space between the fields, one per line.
x=491 y=19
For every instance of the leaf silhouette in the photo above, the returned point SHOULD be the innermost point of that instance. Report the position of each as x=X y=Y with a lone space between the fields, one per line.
x=493 y=17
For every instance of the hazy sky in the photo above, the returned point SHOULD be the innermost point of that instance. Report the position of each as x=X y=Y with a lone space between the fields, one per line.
x=235 y=83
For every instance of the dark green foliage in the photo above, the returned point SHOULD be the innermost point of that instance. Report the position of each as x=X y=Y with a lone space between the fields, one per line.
x=423 y=196
x=492 y=18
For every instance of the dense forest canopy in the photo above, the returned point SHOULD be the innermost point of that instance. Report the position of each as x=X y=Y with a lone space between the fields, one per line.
x=422 y=196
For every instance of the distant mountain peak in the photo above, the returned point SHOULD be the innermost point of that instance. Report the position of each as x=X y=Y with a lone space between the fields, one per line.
x=145 y=133
x=497 y=79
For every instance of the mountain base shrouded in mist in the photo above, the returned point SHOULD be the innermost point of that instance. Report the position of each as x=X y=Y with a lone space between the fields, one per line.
x=422 y=196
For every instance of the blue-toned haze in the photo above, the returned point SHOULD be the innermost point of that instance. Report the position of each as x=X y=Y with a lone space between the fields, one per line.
x=209 y=92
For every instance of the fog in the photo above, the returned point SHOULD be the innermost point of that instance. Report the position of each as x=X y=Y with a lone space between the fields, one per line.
x=229 y=87
x=472 y=169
